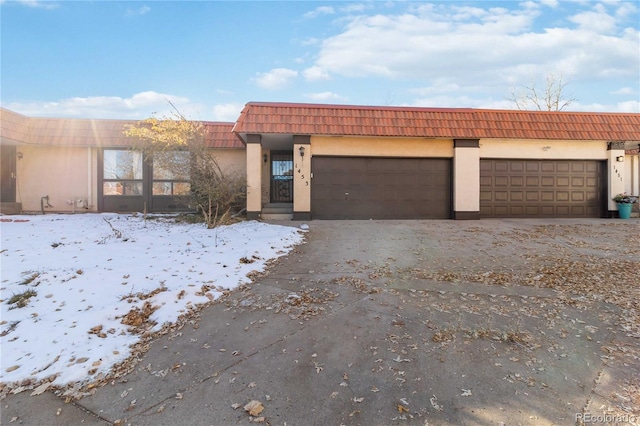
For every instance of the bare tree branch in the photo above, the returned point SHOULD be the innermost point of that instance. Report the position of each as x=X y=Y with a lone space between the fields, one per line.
x=177 y=148
x=552 y=97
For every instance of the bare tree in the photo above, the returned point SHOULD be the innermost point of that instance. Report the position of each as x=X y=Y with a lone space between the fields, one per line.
x=178 y=150
x=550 y=97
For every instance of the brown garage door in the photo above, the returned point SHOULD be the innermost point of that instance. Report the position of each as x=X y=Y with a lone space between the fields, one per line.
x=541 y=188
x=380 y=188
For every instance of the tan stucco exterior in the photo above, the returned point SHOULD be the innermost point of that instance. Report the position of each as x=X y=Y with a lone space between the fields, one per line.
x=69 y=176
x=615 y=175
x=632 y=174
x=254 y=177
x=301 y=179
x=231 y=161
x=381 y=146
x=66 y=174
x=543 y=149
x=466 y=180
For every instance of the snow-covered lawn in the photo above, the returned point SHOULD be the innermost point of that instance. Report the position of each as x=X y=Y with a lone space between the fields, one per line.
x=75 y=287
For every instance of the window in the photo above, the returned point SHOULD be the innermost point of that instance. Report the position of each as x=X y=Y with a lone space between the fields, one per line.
x=122 y=172
x=171 y=173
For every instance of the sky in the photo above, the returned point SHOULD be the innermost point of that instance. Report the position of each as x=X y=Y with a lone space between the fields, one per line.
x=86 y=281
x=129 y=60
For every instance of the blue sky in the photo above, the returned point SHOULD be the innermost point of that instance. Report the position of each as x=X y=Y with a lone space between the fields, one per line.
x=110 y=59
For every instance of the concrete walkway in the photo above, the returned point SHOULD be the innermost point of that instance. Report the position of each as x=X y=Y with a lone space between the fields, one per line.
x=395 y=322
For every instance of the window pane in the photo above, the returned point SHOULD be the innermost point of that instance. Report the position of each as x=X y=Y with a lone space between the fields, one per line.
x=112 y=188
x=282 y=168
x=122 y=164
x=132 y=188
x=161 y=188
x=171 y=165
x=181 y=188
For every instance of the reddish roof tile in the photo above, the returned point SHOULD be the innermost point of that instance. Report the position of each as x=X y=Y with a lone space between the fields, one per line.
x=93 y=133
x=316 y=119
x=14 y=127
x=219 y=135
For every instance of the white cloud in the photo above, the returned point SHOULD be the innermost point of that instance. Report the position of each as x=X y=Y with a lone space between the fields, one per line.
x=626 y=106
x=275 y=79
x=464 y=45
x=624 y=91
x=35 y=4
x=444 y=101
x=597 y=20
x=436 y=88
x=310 y=41
x=550 y=3
x=315 y=73
x=355 y=7
x=626 y=9
x=140 y=105
x=325 y=96
x=143 y=10
x=227 y=112
x=322 y=10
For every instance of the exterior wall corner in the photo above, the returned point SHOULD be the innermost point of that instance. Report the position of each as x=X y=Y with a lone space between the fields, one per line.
x=301 y=175
x=466 y=178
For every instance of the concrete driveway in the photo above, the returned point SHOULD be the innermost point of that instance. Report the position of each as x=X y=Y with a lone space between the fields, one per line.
x=515 y=322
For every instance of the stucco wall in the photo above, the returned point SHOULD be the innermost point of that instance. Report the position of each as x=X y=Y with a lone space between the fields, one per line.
x=632 y=174
x=69 y=174
x=543 y=149
x=65 y=174
x=466 y=180
x=301 y=179
x=381 y=147
x=231 y=160
x=254 y=177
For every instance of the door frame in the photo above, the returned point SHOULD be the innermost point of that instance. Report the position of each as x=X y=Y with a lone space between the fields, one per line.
x=8 y=154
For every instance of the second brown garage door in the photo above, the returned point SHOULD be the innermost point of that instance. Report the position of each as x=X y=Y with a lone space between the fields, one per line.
x=541 y=188
x=380 y=188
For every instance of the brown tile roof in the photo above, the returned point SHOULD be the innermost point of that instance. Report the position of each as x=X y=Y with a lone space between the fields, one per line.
x=219 y=135
x=94 y=133
x=315 y=119
x=14 y=127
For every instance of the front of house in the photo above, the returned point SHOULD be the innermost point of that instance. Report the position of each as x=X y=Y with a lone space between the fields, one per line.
x=313 y=161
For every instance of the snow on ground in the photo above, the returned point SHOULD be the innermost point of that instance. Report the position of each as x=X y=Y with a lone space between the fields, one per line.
x=87 y=272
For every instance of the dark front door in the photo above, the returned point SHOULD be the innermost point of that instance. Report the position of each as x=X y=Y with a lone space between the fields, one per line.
x=281 y=177
x=8 y=177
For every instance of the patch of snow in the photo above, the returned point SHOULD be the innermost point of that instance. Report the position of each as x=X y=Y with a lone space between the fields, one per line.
x=88 y=271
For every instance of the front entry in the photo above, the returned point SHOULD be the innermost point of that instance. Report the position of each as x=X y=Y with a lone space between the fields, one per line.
x=8 y=170
x=281 y=177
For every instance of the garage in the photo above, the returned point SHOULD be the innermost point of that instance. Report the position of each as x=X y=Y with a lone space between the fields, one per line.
x=541 y=188
x=380 y=188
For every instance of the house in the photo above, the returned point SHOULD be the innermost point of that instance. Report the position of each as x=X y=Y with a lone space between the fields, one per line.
x=314 y=161
x=73 y=165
